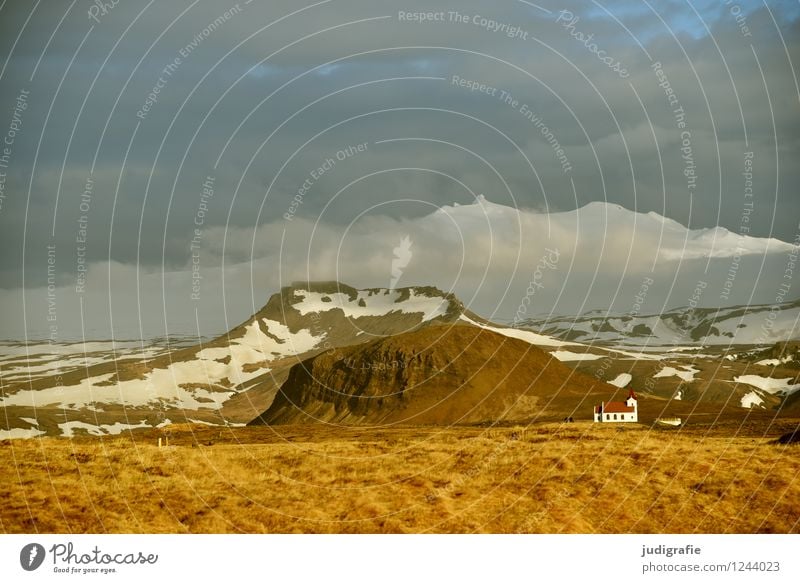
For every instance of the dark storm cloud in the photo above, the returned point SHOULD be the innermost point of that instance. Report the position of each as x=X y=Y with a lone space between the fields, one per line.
x=390 y=79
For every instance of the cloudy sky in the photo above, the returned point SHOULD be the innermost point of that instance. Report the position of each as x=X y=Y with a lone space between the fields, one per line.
x=252 y=144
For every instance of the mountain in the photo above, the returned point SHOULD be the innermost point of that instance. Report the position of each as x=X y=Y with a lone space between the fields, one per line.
x=367 y=344
x=435 y=376
x=228 y=380
x=755 y=324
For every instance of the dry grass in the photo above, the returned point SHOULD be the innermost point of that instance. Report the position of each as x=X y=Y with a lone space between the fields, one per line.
x=571 y=478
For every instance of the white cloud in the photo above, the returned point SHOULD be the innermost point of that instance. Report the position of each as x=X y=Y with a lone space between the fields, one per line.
x=488 y=254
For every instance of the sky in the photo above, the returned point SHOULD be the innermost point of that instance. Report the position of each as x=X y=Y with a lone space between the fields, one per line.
x=166 y=166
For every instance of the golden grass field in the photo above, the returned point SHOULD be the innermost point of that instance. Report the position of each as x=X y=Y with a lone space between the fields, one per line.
x=570 y=478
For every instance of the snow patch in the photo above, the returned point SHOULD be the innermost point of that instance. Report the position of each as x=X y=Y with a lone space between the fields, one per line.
x=55 y=350
x=257 y=346
x=566 y=355
x=687 y=374
x=72 y=396
x=633 y=355
x=684 y=348
x=371 y=303
x=224 y=424
x=201 y=422
x=768 y=384
x=526 y=335
x=775 y=361
x=161 y=385
x=200 y=383
x=24 y=368
x=752 y=399
x=68 y=428
x=622 y=380
x=18 y=433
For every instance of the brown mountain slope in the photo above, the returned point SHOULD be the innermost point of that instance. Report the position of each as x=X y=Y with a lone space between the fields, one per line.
x=440 y=375
x=235 y=376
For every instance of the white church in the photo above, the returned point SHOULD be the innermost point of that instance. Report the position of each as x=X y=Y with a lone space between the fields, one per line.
x=618 y=411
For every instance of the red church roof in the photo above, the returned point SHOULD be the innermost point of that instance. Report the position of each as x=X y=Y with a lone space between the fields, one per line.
x=617 y=406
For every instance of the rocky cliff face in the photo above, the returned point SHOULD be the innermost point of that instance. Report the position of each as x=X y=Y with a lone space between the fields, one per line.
x=439 y=375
